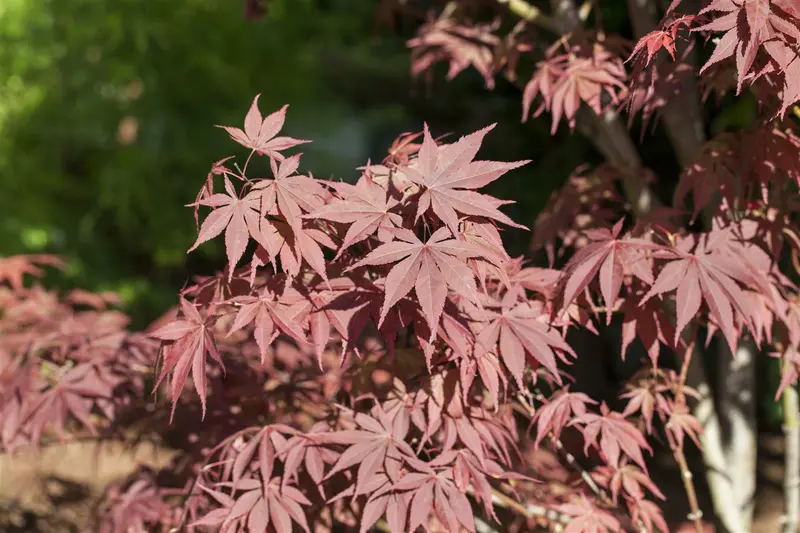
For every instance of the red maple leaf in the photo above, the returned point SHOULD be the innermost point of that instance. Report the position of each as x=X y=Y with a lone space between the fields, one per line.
x=365 y=206
x=581 y=74
x=403 y=147
x=240 y=219
x=681 y=422
x=649 y=514
x=190 y=340
x=609 y=256
x=429 y=491
x=562 y=407
x=265 y=311
x=447 y=174
x=628 y=478
x=75 y=394
x=429 y=268
x=462 y=45
x=377 y=447
x=616 y=435
x=14 y=268
x=704 y=275
x=650 y=323
x=258 y=505
x=588 y=518
x=750 y=25
x=259 y=135
x=660 y=38
x=518 y=329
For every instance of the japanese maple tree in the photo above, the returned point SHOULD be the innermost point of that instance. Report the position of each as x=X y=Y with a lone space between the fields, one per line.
x=372 y=358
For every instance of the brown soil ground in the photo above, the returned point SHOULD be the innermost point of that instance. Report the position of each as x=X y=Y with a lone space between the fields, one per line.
x=56 y=491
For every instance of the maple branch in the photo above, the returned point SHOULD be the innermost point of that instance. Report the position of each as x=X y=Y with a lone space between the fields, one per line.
x=791 y=475
x=530 y=510
x=696 y=515
x=530 y=13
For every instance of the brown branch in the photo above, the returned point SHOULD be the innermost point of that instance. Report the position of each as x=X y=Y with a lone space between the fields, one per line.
x=696 y=515
x=530 y=13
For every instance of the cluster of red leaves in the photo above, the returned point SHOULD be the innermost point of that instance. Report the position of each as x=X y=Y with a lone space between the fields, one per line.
x=417 y=281
x=760 y=41
x=66 y=365
x=771 y=27
x=461 y=44
x=379 y=354
x=762 y=37
x=572 y=74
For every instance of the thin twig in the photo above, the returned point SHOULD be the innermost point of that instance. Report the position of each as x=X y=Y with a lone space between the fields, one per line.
x=530 y=13
x=696 y=515
x=530 y=510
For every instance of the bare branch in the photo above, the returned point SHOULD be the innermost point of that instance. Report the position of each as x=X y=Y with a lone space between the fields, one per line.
x=530 y=13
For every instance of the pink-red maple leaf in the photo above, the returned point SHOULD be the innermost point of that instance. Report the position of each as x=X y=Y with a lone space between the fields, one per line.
x=560 y=409
x=264 y=310
x=240 y=219
x=516 y=328
x=447 y=176
x=616 y=434
x=365 y=206
x=191 y=339
x=259 y=134
x=429 y=268
x=704 y=275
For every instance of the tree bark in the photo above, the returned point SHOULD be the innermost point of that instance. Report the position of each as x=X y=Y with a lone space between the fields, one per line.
x=737 y=410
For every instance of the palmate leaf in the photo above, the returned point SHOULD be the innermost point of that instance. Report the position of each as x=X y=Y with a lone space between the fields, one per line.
x=616 y=435
x=704 y=275
x=378 y=446
x=584 y=74
x=554 y=416
x=14 y=268
x=588 y=518
x=447 y=176
x=365 y=206
x=628 y=479
x=259 y=134
x=518 y=332
x=430 y=268
x=269 y=317
x=260 y=506
x=190 y=341
x=75 y=395
x=239 y=218
x=752 y=25
x=429 y=489
x=609 y=256
x=460 y=44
